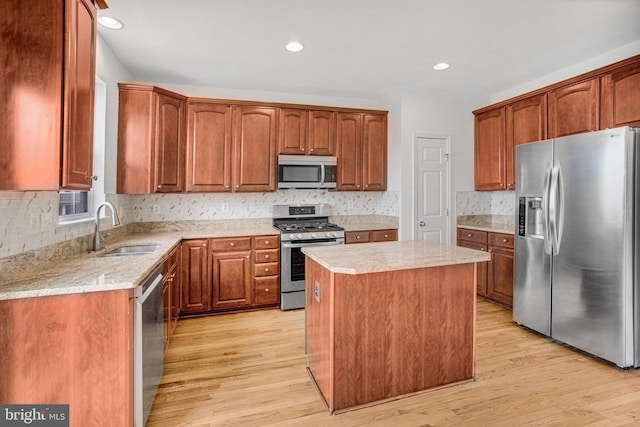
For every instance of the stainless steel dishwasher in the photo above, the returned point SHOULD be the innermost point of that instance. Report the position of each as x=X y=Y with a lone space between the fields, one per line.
x=148 y=343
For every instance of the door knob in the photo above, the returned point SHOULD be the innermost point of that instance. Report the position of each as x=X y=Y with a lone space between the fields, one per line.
x=422 y=224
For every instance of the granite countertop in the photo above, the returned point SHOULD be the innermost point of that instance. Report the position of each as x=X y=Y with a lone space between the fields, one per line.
x=390 y=256
x=89 y=272
x=491 y=223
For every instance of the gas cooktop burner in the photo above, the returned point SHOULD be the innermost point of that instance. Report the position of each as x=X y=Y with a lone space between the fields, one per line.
x=309 y=226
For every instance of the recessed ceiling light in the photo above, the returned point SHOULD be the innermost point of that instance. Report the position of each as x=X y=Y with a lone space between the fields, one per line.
x=109 y=22
x=294 y=46
x=441 y=66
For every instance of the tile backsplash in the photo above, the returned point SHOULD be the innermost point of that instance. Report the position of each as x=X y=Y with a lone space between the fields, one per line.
x=485 y=203
x=204 y=206
x=29 y=220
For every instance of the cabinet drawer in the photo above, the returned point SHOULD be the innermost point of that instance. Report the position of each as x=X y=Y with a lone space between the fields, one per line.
x=384 y=235
x=266 y=269
x=357 y=237
x=233 y=244
x=172 y=259
x=267 y=255
x=499 y=239
x=472 y=245
x=472 y=235
x=267 y=290
x=266 y=242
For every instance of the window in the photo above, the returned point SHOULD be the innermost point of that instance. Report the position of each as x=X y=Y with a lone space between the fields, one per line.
x=73 y=205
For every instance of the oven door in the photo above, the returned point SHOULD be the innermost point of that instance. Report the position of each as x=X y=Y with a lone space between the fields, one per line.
x=292 y=262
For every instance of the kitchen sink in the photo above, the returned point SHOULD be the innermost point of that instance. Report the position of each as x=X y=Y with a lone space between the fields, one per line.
x=131 y=250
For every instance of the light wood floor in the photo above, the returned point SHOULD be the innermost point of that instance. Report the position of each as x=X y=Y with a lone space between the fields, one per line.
x=248 y=369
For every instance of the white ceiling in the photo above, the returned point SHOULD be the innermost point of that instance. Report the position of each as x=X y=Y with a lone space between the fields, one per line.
x=360 y=48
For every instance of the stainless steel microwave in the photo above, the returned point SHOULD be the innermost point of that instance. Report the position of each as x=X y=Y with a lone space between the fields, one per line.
x=307 y=171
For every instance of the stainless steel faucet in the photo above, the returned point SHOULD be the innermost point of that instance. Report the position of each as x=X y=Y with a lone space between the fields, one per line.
x=97 y=239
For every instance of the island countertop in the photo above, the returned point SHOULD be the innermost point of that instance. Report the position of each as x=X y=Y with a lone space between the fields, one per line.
x=389 y=256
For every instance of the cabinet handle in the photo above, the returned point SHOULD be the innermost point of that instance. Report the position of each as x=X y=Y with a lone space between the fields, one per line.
x=482 y=249
x=226 y=186
x=266 y=289
x=266 y=242
x=366 y=185
x=357 y=185
x=266 y=256
x=490 y=250
x=237 y=185
x=504 y=240
x=386 y=235
x=92 y=178
x=266 y=270
x=357 y=237
x=469 y=235
x=302 y=149
x=232 y=244
x=311 y=149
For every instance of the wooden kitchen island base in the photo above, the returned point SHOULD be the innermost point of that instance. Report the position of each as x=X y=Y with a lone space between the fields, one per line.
x=382 y=335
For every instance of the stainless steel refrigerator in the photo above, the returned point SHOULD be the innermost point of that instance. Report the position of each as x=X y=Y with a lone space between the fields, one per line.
x=576 y=240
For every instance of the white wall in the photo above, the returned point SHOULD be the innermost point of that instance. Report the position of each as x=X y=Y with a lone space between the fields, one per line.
x=443 y=114
x=111 y=71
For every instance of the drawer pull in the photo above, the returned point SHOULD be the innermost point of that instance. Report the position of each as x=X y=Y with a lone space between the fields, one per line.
x=386 y=235
x=266 y=270
x=266 y=289
x=357 y=237
x=504 y=240
x=266 y=256
x=232 y=244
x=469 y=235
x=266 y=242
x=482 y=249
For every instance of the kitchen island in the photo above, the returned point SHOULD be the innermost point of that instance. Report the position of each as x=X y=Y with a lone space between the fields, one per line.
x=387 y=320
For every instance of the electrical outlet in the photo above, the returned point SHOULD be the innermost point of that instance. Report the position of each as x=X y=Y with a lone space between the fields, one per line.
x=224 y=207
x=156 y=209
x=34 y=223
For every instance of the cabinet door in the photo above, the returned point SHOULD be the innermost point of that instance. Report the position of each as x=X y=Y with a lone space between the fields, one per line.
x=169 y=141
x=231 y=279
x=574 y=109
x=322 y=133
x=620 y=103
x=292 y=131
x=526 y=121
x=490 y=150
x=482 y=268
x=196 y=284
x=254 y=149
x=79 y=87
x=31 y=91
x=374 y=152
x=500 y=278
x=208 y=147
x=349 y=151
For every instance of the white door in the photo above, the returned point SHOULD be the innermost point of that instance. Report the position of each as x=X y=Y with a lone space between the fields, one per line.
x=432 y=188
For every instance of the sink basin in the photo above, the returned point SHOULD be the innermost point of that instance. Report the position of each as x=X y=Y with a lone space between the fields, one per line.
x=131 y=250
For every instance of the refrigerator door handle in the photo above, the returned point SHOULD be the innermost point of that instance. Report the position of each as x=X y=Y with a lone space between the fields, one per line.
x=548 y=247
x=559 y=220
x=553 y=209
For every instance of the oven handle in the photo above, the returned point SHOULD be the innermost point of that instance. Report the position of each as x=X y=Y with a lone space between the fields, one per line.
x=304 y=245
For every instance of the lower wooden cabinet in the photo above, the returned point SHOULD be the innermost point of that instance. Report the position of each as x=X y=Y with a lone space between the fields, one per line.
x=495 y=278
x=236 y=273
x=366 y=236
x=171 y=292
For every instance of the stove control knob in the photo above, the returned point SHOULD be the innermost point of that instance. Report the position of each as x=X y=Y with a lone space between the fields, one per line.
x=314 y=235
x=292 y=237
x=331 y=234
x=300 y=236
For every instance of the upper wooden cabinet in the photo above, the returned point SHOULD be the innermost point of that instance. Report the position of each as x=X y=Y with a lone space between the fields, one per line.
x=490 y=152
x=574 y=108
x=526 y=121
x=306 y=132
x=208 y=147
x=362 y=151
x=254 y=148
x=151 y=140
x=620 y=100
x=47 y=95
x=604 y=98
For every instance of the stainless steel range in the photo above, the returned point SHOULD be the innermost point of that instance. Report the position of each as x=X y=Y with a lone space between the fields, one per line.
x=301 y=226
